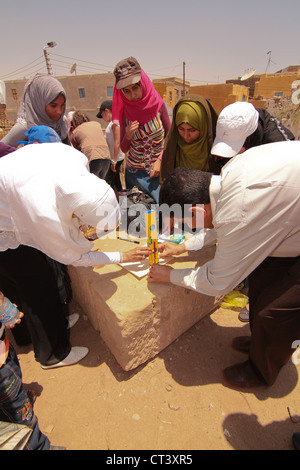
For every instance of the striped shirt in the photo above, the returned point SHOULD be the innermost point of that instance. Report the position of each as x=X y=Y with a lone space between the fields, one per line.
x=146 y=144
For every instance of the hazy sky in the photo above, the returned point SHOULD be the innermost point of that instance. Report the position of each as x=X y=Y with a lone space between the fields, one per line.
x=217 y=40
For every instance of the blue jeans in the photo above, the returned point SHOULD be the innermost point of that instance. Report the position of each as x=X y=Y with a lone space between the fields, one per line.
x=15 y=406
x=142 y=180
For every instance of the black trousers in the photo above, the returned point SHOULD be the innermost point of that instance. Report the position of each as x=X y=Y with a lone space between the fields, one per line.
x=274 y=309
x=100 y=167
x=28 y=280
x=113 y=177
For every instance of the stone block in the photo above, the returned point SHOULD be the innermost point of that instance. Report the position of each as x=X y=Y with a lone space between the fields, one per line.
x=137 y=320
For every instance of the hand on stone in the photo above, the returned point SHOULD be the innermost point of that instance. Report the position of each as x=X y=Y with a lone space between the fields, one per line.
x=159 y=273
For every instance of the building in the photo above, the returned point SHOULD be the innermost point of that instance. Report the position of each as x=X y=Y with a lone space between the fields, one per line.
x=222 y=94
x=171 y=89
x=248 y=82
x=277 y=85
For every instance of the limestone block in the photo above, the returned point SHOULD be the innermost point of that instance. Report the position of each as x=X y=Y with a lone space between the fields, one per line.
x=137 y=320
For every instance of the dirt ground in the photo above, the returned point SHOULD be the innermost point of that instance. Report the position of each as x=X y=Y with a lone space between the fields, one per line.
x=175 y=401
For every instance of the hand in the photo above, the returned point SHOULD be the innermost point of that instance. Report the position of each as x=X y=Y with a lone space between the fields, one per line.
x=113 y=166
x=131 y=128
x=137 y=254
x=159 y=273
x=155 y=169
x=171 y=249
x=12 y=325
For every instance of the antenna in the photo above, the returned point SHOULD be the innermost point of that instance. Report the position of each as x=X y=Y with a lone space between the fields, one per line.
x=248 y=74
x=73 y=68
x=269 y=60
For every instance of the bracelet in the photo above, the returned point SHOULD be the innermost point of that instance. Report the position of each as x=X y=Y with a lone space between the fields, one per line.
x=112 y=161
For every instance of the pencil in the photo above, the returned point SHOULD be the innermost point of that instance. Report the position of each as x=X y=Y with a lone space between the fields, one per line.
x=127 y=240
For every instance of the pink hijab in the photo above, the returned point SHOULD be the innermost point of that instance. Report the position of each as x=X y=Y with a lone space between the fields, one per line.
x=143 y=110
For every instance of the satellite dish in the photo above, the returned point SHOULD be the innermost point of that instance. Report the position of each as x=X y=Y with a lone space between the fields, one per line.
x=248 y=75
x=73 y=68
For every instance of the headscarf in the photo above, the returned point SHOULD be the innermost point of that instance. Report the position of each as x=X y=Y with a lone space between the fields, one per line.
x=38 y=92
x=143 y=110
x=168 y=162
x=192 y=155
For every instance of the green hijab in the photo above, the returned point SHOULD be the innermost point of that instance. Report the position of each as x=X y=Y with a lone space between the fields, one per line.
x=195 y=154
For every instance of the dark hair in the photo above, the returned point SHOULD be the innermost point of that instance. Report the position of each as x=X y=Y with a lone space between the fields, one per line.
x=61 y=93
x=184 y=186
x=79 y=118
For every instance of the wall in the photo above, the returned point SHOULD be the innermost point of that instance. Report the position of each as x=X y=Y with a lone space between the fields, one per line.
x=270 y=84
x=171 y=89
x=222 y=94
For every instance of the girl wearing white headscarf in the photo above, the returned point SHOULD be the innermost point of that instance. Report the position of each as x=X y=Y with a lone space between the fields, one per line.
x=41 y=95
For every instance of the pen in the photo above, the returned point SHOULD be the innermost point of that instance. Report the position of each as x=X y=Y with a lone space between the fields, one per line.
x=127 y=240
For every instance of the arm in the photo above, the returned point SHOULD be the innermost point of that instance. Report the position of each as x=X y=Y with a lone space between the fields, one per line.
x=164 y=115
x=99 y=258
x=239 y=251
x=15 y=135
x=205 y=237
x=246 y=236
x=127 y=133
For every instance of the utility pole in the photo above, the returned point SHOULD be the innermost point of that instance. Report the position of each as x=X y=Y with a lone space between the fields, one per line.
x=183 y=73
x=48 y=65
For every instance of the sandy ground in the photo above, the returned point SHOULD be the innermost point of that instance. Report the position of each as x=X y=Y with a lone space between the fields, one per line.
x=175 y=401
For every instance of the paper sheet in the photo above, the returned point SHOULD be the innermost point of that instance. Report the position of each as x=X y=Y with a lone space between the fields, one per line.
x=141 y=268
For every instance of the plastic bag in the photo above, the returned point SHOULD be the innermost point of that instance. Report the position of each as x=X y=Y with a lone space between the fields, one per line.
x=234 y=300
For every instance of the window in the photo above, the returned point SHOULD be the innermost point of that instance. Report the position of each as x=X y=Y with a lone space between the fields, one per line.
x=279 y=93
x=14 y=93
x=81 y=92
x=109 y=91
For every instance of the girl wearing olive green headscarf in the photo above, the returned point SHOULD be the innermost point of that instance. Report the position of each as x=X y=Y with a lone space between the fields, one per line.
x=192 y=146
x=191 y=136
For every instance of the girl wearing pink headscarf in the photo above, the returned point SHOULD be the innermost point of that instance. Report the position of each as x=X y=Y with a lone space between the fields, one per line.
x=144 y=121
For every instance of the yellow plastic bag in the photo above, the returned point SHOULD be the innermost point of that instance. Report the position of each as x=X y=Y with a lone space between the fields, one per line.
x=234 y=300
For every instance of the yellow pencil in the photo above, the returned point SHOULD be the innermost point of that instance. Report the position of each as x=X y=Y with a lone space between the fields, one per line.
x=151 y=231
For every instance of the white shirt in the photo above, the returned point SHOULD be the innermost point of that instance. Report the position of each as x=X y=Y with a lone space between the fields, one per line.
x=46 y=193
x=109 y=135
x=256 y=214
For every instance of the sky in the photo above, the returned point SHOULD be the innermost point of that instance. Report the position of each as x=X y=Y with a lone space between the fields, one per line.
x=217 y=40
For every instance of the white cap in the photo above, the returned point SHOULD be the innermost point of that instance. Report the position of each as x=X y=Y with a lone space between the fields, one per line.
x=235 y=123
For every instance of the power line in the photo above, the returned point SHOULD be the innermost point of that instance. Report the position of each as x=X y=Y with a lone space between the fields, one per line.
x=23 y=69
x=85 y=61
